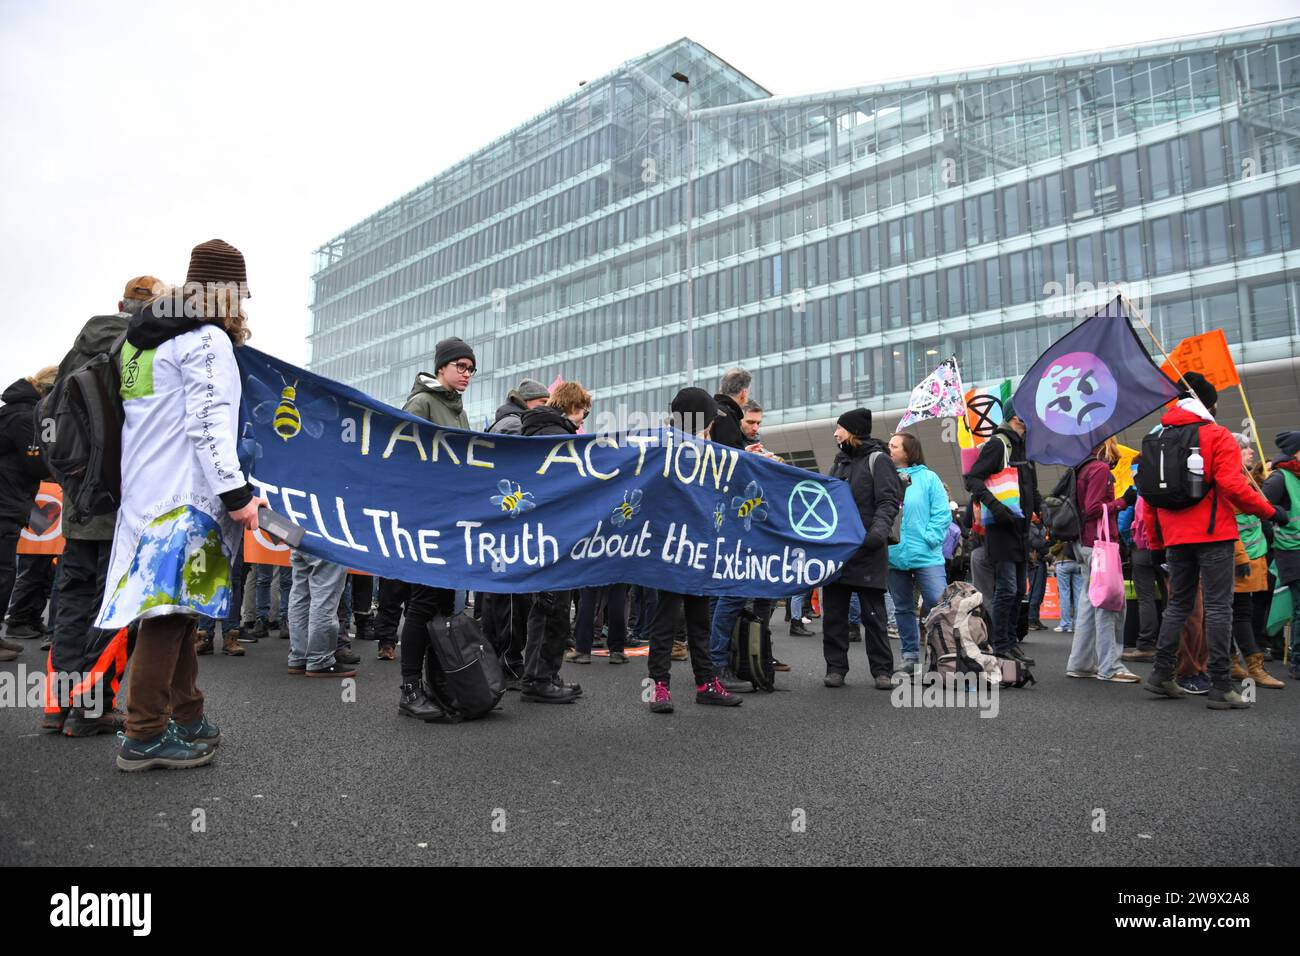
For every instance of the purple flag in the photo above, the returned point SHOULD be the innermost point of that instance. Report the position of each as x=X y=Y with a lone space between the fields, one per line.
x=1090 y=384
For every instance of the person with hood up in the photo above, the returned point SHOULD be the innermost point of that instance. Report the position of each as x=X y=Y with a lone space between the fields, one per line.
x=21 y=471
x=1200 y=543
x=436 y=398
x=917 y=560
x=1282 y=488
x=865 y=464
x=185 y=502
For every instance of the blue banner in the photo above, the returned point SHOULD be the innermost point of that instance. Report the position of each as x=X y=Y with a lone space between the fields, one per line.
x=379 y=490
x=1093 y=382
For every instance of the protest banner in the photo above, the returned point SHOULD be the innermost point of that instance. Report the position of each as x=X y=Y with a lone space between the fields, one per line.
x=44 y=531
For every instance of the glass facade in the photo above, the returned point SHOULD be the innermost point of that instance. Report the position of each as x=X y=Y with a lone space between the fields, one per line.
x=840 y=243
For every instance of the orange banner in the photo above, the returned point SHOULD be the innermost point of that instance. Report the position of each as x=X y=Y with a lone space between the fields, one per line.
x=1207 y=354
x=44 y=535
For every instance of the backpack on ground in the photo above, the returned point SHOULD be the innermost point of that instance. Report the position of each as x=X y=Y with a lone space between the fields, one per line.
x=751 y=651
x=461 y=671
x=79 y=430
x=956 y=635
x=1164 y=479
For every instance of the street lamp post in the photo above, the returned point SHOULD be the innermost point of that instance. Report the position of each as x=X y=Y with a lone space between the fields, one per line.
x=690 y=216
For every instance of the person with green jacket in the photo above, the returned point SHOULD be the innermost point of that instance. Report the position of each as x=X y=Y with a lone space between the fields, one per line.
x=437 y=398
x=917 y=560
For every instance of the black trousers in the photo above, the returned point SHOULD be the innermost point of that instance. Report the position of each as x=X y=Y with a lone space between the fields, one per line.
x=424 y=604
x=584 y=632
x=1243 y=630
x=392 y=595
x=693 y=611
x=548 y=633
x=505 y=625
x=9 y=532
x=32 y=587
x=363 y=594
x=77 y=645
x=1145 y=578
x=875 y=630
x=1210 y=564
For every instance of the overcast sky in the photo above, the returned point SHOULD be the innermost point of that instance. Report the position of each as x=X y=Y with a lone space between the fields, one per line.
x=134 y=130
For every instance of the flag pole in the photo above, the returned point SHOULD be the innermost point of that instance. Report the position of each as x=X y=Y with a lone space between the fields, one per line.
x=1254 y=429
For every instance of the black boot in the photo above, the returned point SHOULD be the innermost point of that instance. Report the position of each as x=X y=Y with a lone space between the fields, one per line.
x=1017 y=654
x=365 y=627
x=414 y=702
x=544 y=692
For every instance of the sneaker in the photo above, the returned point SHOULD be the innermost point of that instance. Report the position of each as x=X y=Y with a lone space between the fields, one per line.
x=662 y=701
x=26 y=632
x=1133 y=654
x=779 y=666
x=833 y=679
x=298 y=669
x=805 y=620
x=714 y=693
x=798 y=630
x=617 y=657
x=1196 y=684
x=576 y=657
x=1080 y=673
x=202 y=731
x=1164 y=685
x=680 y=652
x=1228 y=699
x=634 y=640
x=728 y=679
x=1121 y=676
x=334 y=670
x=1063 y=629
x=910 y=666
x=387 y=652
x=1036 y=626
x=347 y=656
x=166 y=751
x=8 y=645
x=244 y=636
x=8 y=654
x=81 y=724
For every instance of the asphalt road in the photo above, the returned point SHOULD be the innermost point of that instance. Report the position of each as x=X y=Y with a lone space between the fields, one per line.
x=303 y=777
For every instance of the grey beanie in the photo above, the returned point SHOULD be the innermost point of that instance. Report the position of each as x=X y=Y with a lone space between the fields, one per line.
x=530 y=388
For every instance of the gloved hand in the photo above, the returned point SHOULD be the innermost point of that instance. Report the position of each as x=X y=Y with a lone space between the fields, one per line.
x=874 y=541
x=1002 y=514
x=1280 y=516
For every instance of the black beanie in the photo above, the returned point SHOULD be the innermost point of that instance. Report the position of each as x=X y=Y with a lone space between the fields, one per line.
x=1289 y=442
x=1207 y=393
x=693 y=410
x=449 y=350
x=856 y=422
x=1009 y=412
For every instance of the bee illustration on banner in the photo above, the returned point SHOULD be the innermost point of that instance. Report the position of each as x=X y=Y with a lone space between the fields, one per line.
x=287 y=413
x=627 y=508
x=513 y=500
x=752 y=507
x=719 y=514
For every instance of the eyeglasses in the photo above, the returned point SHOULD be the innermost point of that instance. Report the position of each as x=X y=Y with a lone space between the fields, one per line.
x=464 y=368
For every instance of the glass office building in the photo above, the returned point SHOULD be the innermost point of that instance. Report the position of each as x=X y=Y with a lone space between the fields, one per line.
x=839 y=244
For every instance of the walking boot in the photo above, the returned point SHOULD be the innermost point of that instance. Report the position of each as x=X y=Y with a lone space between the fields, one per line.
x=230 y=644
x=414 y=702
x=203 y=642
x=1262 y=678
x=1238 y=672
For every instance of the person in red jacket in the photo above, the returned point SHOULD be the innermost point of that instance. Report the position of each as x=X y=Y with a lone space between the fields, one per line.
x=1199 y=542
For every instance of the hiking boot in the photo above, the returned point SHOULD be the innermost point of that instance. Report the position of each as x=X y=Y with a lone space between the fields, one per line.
x=680 y=651
x=334 y=670
x=714 y=693
x=165 y=751
x=202 y=642
x=574 y=689
x=855 y=634
x=1195 y=684
x=728 y=679
x=202 y=731
x=27 y=632
x=260 y=630
x=230 y=644
x=884 y=682
x=1238 y=672
x=54 y=722
x=347 y=656
x=387 y=652
x=1142 y=657
x=833 y=679
x=1017 y=654
x=576 y=657
x=414 y=702
x=544 y=692
x=617 y=657
x=779 y=666
x=81 y=724
x=662 y=701
x=798 y=630
x=1261 y=677
x=1228 y=699
x=1164 y=685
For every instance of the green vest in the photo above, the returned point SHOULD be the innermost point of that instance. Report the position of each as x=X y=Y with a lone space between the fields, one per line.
x=1251 y=530
x=1286 y=537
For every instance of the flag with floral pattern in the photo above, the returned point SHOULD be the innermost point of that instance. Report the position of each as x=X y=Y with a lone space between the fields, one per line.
x=938 y=396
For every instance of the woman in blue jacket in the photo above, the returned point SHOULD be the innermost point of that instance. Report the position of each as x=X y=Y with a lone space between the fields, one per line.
x=917 y=560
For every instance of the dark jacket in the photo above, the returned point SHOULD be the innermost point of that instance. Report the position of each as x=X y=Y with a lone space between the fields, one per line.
x=97 y=336
x=1007 y=538
x=878 y=494
x=21 y=466
x=509 y=416
x=430 y=400
x=1288 y=562
x=547 y=420
x=726 y=429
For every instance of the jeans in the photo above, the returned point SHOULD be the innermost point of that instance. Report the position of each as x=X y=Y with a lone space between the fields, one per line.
x=796 y=608
x=1211 y=564
x=1009 y=586
x=1037 y=588
x=835 y=629
x=264 y=574
x=982 y=576
x=931 y=581
x=1069 y=584
x=1098 y=634
x=891 y=613
x=855 y=610
x=725 y=612
x=313 y=610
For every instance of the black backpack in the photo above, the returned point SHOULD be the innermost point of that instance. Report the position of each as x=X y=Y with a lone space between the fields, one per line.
x=751 y=651
x=79 y=430
x=461 y=671
x=1164 y=479
x=1061 y=508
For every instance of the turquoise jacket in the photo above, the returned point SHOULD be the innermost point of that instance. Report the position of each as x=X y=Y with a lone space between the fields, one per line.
x=926 y=517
